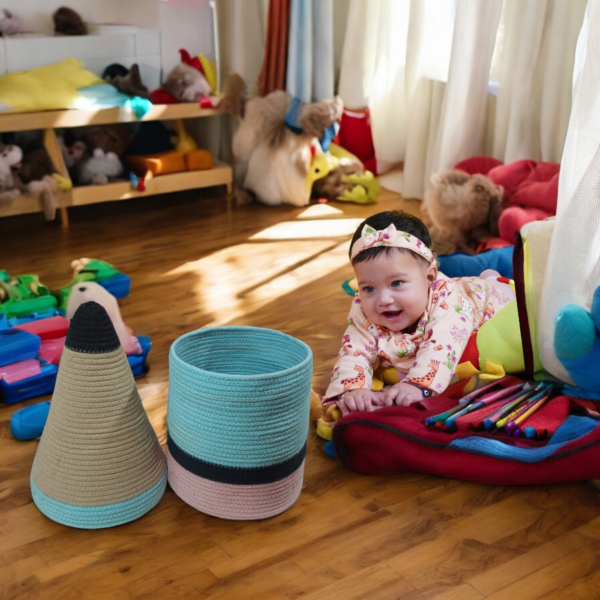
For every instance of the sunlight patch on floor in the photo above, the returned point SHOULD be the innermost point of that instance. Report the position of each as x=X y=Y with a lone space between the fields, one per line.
x=286 y=283
x=233 y=281
x=317 y=211
x=303 y=230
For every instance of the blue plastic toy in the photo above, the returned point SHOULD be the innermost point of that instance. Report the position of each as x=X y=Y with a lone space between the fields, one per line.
x=17 y=345
x=39 y=385
x=29 y=422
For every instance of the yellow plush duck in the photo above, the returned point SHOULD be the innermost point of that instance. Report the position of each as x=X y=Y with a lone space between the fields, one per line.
x=185 y=142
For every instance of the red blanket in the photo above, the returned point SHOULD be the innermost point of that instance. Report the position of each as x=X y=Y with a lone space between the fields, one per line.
x=397 y=439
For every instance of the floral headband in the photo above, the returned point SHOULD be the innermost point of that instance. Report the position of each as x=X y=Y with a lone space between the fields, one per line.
x=391 y=237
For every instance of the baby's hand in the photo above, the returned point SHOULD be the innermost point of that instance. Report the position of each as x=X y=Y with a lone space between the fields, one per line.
x=357 y=400
x=402 y=394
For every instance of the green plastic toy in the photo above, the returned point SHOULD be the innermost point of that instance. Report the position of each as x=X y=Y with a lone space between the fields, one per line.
x=86 y=269
x=24 y=295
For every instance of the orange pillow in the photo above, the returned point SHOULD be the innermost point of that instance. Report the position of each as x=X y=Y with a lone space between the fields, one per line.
x=157 y=164
x=198 y=160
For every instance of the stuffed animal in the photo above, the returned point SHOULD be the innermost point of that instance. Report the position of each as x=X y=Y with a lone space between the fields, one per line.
x=460 y=210
x=186 y=83
x=128 y=82
x=530 y=191
x=109 y=138
x=100 y=168
x=9 y=23
x=108 y=145
x=346 y=179
x=36 y=176
x=73 y=153
x=577 y=344
x=9 y=158
x=271 y=160
x=203 y=65
x=68 y=22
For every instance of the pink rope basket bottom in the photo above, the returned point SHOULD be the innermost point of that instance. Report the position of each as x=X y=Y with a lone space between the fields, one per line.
x=235 y=502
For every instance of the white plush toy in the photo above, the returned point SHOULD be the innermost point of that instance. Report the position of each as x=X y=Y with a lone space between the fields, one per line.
x=9 y=23
x=100 y=167
x=87 y=291
x=9 y=157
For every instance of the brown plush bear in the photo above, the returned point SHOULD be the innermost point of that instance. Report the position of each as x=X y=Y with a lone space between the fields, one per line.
x=460 y=210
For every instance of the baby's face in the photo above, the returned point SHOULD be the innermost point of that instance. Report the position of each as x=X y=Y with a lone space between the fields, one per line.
x=394 y=288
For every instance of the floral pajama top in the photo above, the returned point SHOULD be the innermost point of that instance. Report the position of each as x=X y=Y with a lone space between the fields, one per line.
x=427 y=357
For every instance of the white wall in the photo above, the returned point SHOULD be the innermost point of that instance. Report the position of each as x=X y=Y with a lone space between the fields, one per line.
x=37 y=14
x=187 y=26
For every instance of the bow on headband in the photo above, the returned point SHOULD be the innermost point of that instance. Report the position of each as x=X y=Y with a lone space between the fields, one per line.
x=390 y=236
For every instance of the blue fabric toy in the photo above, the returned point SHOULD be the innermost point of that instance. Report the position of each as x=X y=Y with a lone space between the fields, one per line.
x=104 y=95
x=577 y=346
x=463 y=265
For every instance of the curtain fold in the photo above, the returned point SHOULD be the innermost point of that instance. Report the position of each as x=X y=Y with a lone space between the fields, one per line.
x=273 y=74
x=573 y=269
x=310 y=68
x=429 y=69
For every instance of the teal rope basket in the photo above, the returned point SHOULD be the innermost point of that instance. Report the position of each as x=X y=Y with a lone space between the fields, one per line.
x=239 y=397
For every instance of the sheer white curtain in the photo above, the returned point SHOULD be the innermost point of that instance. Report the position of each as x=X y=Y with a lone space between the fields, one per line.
x=426 y=69
x=573 y=269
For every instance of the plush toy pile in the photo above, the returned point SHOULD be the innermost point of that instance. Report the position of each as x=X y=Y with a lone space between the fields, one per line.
x=34 y=321
x=482 y=198
x=284 y=151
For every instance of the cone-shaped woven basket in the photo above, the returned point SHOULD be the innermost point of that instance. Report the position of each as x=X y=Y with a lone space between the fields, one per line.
x=99 y=463
x=239 y=400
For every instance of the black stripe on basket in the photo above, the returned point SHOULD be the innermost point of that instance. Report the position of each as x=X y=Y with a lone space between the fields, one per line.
x=235 y=475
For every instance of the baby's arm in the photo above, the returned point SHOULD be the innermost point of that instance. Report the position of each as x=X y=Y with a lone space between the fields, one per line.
x=352 y=375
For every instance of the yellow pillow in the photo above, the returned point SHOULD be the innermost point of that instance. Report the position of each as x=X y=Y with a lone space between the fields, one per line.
x=52 y=87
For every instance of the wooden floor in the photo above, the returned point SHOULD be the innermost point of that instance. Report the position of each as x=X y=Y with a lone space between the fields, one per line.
x=349 y=536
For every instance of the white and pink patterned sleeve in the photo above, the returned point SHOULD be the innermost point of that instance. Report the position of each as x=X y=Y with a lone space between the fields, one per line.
x=446 y=333
x=357 y=359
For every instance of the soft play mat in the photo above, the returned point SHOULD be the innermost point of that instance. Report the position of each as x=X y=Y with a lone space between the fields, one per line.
x=564 y=447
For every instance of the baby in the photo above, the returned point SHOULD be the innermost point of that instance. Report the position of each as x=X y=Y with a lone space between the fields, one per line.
x=405 y=315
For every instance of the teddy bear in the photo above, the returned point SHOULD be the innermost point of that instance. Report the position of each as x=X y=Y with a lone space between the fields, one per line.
x=102 y=163
x=30 y=173
x=460 y=210
x=530 y=191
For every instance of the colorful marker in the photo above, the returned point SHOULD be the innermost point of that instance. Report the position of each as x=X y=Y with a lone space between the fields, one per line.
x=510 y=406
x=451 y=421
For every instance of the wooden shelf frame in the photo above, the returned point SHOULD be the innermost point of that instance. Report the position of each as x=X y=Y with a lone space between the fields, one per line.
x=49 y=121
x=58 y=119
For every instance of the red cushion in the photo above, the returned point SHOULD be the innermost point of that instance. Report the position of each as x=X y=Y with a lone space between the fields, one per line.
x=510 y=176
x=478 y=164
x=514 y=217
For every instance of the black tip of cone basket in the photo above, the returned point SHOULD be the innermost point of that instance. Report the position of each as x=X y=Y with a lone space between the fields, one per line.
x=91 y=330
